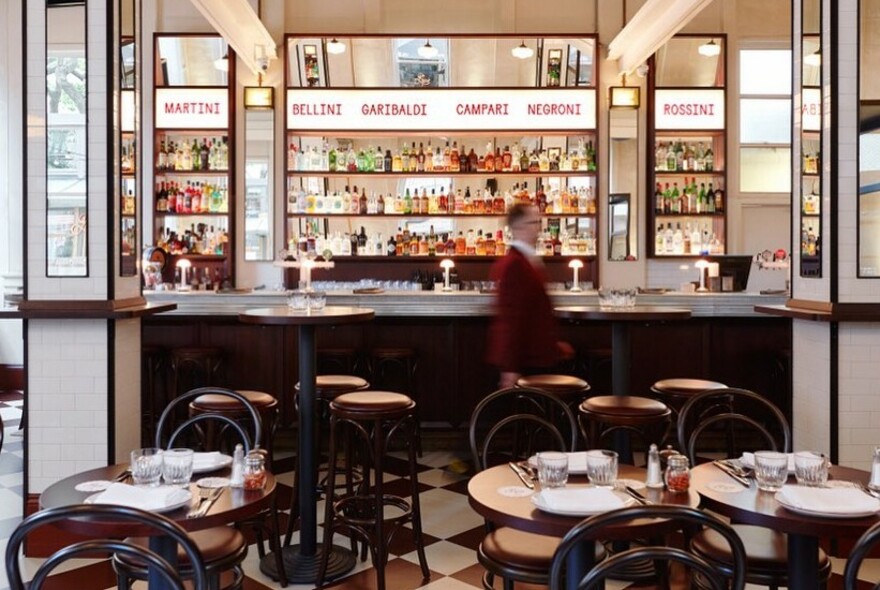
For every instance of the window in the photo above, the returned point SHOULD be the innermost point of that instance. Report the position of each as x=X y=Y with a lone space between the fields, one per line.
x=765 y=120
x=422 y=63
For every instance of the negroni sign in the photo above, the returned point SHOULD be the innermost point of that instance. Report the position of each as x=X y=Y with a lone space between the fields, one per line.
x=696 y=108
x=448 y=109
x=811 y=109
x=192 y=108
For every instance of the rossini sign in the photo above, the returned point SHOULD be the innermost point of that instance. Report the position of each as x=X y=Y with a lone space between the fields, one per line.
x=192 y=108
x=692 y=108
x=448 y=109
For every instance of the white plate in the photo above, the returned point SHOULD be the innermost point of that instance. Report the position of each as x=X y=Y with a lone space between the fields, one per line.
x=223 y=461
x=96 y=485
x=577 y=463
x=538 y=501
x=213 y=482
x=179 y=498
x=807 y=512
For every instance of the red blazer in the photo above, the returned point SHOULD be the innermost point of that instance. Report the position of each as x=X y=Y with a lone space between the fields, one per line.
x=523 y=333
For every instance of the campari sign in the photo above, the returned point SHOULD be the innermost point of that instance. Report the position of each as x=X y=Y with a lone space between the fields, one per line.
x=446 y=109
x=192 y=108
x=692 y=108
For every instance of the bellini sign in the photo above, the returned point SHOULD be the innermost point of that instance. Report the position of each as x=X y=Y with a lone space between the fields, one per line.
x=447 y=109
x=192 y=108
x=693 y=108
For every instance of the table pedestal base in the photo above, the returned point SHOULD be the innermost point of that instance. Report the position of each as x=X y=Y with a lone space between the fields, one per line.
x=303 y=569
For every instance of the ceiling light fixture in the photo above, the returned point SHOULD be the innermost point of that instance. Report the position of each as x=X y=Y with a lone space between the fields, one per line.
x=427 y=50
x=335 y=46
x=814 y=59
x=522 y=51
x=710 y=49
x=222 y=63
x=239 y=24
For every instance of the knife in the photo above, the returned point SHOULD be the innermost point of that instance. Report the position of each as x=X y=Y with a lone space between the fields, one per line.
x=522 y=475
x=732 y=474
x=637 y=496
x=210 y=502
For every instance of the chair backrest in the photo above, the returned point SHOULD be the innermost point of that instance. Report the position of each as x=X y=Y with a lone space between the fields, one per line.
x=866 y=544
x=587 y=531
x=168 y=419
x=513 y=423
x=91 y=547
x=727 y=409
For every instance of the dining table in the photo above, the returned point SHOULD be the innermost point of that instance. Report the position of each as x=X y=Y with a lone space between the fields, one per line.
x=302 y=561
x=232 y=505
x=498 y=495
x=749 y=505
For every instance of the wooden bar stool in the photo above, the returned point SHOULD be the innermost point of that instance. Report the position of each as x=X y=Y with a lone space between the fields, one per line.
x=265 y=404
x=676 y=392
x=371 y=514
x=154 y=395
x=602 y=415
x=338 y=361
x=193 y=367
x=571 y=390
x=394 y=369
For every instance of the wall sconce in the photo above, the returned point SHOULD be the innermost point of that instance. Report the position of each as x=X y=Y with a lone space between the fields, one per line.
x=624 y=97
x=259 y=97
x=446 y=265
x=574 y=265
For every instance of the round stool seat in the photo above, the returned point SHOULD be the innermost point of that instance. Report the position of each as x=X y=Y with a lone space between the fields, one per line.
x=222 y=403
x=216 y=544
x=685 y=387
x=333 y=385
x=561 y=385
x=372 y=402
x=624 y=405
x=520 y=549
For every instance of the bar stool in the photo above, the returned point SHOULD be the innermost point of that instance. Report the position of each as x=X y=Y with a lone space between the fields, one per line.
x=195 y=367
x=676 y=392
x=265 y=404
x=572 y=390
x=327 y=388
x=375 y=417
x=338 y=361
x=394 y=369
x=605 y=414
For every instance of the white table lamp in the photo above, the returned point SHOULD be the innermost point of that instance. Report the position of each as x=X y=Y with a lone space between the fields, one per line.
x=702 y=265
x=183 y=264
x=446 y=264
x=574 y=265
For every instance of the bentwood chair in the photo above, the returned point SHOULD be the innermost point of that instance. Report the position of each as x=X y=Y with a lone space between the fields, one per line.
x=866 y=544
x=509 y=425
x=92 y=547
x=743 y=417
x=683 y=516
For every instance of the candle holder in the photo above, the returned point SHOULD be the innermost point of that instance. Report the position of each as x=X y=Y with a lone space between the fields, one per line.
x=446 y=264
x=575 y=265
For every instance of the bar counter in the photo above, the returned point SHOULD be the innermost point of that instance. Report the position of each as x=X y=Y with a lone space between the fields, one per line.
x=725 y=340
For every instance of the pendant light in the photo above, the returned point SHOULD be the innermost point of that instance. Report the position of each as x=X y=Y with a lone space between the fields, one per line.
x=522 y=51
x=335 y=46
x=427 y=50
x=710 y=49
x=814 y=59
x=222 y=63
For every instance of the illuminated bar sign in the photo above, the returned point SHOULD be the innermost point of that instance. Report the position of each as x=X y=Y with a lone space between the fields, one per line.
x=692 y=108
x=192 y=108
x=811 y=109
x=126 y=111
x=447 y=109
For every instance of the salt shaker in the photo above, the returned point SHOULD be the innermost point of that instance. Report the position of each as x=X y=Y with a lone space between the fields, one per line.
x=875 y=471
x=654 y=478
x=236 y=480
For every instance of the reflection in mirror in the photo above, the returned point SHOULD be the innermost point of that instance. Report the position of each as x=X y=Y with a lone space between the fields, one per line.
x=127 y=128
x=869 y=141
x=259 y=184
x=623 y=181
x=704 y=59
x=192 y=61
x=66 y=142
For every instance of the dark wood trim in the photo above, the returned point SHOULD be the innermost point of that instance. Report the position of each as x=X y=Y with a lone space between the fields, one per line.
x=834 y=392
x=833 y=157
x=25 y=137
x=87 y=314
x=825 y=306
x=824 y=311
x=114 y=114
x=11 y=377
x=48 y=539
x=794 y=313
x=81 y=305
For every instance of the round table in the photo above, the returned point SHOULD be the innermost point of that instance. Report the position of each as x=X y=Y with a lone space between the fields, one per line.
x=301 y=562
x=519 y=513
x=233 y=505
x=755 y=507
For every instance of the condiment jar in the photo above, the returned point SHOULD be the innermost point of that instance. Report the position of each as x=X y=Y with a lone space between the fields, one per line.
x=678 y=476
x=255 y=470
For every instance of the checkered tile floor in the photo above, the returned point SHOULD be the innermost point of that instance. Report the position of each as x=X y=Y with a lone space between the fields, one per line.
x=452 y=530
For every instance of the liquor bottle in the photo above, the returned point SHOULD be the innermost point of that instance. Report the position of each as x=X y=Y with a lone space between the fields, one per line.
x=380 y=205
x=424 y=202
x=671 y=162
x=420 y=158
x=331 y=160
x=472 y=162
x=719 y=200
x=668 y=240
x=407 y=203
x=460 y=244
x=443 y=201
x=391 y=246
x=489 y=159
x=696 y=241
x=658 y=199
x=454 y=158
x=660 y=241
x=362 y=203
x=204 y=153
x=378 y=160
x=195 y=155
x=515 y=159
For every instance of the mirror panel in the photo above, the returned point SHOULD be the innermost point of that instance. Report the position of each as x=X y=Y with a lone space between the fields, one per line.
x=66 y=142
x=191 y=61
x=703 y=69
x=869 y=141
x=259 y=184
x=623 y=182
x=127 y=126
x=811 y=141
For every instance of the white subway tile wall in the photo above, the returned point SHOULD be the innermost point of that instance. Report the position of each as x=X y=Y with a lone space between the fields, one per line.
x=859 y=393
x=67 y=398
x=811 y=360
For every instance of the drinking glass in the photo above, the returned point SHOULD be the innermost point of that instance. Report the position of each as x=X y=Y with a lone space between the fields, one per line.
x=146 y=466
x=177 y=466
x=552 y=469
x=771 y=470
x=602 y=468
x=811 y=468
x=606 y=298
x=297 y=299
x=317 y=300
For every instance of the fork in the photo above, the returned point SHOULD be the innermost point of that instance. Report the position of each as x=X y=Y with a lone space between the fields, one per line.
x=206 y=495
x=866 y=489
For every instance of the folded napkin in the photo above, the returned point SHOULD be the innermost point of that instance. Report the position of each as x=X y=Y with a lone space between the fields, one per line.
x=123 y=494
x=206 y=460
x=581 y=499
x=830 y=500
x=748 y=461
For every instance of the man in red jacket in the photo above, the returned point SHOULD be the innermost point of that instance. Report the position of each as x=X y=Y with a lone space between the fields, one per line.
x=523 y=336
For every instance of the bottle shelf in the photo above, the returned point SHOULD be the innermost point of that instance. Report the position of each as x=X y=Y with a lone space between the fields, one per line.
x=811 y=214
x=811 y=175
x=191 y=172
x=200 y=257
x=683 y=256
x=688 y=173
x=486 y=174
x=440 y=215
x=461 y=258
x=715 y=214
x=205 y=214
